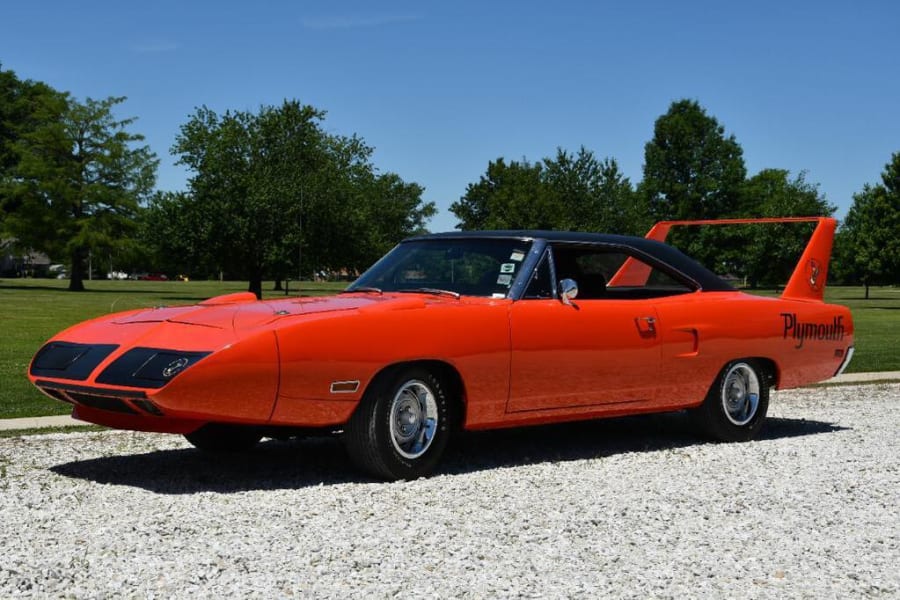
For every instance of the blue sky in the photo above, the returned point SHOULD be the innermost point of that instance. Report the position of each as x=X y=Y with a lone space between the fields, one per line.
x=439 y=89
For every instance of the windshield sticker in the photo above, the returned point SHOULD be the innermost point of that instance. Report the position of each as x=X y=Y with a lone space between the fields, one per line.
x=517 y=256
x=504 y=280
x=508 y=268
x=496 y=295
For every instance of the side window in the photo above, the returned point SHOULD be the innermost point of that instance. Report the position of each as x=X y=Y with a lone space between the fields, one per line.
x=541 y=285
x=612 y=272
x=660 y=280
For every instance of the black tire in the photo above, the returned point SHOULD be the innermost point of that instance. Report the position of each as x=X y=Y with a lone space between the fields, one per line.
x=402 y=424
x=735 y=407
x=218 y=437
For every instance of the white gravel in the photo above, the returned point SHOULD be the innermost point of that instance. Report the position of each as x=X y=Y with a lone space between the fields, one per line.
x=631 y=508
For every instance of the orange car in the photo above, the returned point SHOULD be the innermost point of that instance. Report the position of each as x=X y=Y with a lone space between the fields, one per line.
x=464 y=330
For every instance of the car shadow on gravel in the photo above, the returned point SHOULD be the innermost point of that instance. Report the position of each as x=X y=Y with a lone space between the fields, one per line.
x=296 y=464
x=599 y=438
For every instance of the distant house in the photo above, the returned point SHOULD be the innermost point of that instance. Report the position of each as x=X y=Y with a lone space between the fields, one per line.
x=16 y=262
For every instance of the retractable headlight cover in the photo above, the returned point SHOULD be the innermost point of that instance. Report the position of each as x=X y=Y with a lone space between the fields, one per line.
x=148 y=367
x=67 y=360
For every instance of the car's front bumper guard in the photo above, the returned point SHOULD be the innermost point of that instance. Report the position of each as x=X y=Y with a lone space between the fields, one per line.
x=129 y=402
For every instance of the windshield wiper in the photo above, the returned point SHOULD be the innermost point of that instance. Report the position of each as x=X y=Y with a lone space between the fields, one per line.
x=363 y=288
x=428 y=290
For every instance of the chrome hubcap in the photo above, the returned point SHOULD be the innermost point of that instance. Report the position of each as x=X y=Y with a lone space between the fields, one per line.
x=740 y=394
x=414 y=419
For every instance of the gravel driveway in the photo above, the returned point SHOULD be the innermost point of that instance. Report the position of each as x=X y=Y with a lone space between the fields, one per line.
x=633 y=507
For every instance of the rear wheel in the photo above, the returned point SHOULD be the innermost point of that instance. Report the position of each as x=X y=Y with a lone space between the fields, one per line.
x=402 y=425
x=736 y=405
x=218 y=437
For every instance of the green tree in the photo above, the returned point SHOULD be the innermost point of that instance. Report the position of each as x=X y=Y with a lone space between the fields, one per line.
x=391 y=209
x=353 y=215
x=567 y=192
x=692 y=170
x=174 y=235
x=79 y=181
x=508 y=196
x=248 y=182
x=768 y=253
x=868 y=245
x=334 y=210
x=593 y=194
x=276 y=194
x=24 y=106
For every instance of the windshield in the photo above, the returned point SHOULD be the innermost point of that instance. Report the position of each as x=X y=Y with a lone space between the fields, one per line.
x=471 y=267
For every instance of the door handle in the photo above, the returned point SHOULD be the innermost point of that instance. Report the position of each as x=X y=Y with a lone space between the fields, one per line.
x=646 y=326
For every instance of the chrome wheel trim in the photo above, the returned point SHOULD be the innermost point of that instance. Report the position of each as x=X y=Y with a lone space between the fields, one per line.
x=414 y=419
x=740 y=394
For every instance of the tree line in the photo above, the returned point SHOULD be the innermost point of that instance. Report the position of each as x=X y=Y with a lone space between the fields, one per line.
x=272 y=194
x=693 y=170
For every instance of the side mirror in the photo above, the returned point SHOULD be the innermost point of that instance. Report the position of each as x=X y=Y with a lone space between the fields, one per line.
x=568 y=290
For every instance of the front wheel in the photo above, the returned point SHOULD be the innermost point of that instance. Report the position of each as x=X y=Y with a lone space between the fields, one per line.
x=402 y=425
x=736 y=405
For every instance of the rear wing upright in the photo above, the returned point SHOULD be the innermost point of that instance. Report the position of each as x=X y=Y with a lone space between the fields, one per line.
x=807 y=282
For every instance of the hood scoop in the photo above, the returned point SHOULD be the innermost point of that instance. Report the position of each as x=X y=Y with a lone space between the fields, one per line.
x=238 y=298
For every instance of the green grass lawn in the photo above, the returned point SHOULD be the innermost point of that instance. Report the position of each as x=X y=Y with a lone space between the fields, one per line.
x=877 y=325
x=33 y=310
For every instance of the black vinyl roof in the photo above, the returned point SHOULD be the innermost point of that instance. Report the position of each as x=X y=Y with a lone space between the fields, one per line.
x=664 y=253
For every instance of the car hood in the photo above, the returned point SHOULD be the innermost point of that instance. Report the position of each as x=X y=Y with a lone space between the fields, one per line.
x=223 y=321
x=244 y=315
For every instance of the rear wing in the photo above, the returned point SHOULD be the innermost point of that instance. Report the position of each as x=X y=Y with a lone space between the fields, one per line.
x=807 y=282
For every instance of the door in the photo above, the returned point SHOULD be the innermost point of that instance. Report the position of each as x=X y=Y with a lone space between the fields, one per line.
x=589 y=353
x=600 y=349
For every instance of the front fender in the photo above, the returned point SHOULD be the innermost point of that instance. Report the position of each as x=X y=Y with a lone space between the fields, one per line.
x=238 y=383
